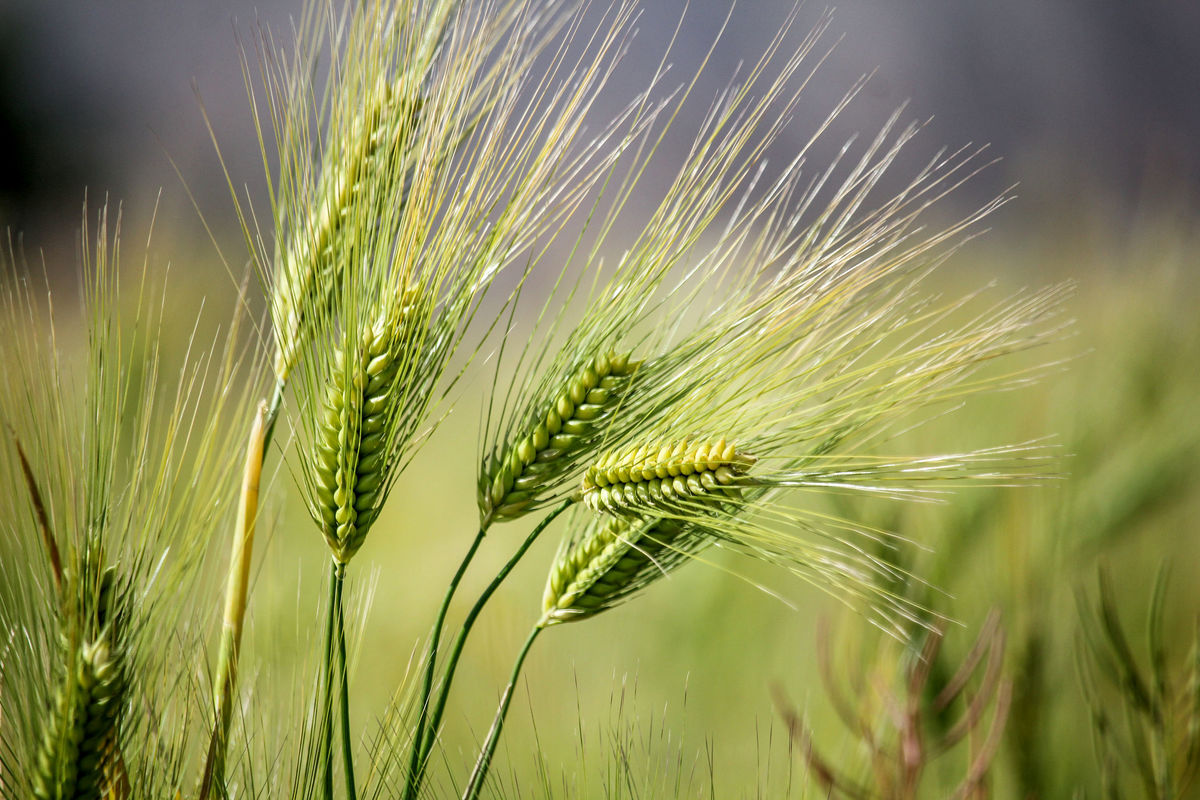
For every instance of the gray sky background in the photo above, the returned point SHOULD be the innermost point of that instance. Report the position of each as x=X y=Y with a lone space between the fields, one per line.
x=1091 y=103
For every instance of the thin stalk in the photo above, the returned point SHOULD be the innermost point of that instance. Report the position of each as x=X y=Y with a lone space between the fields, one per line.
x=347 y=749
x=273 y=412
x=415 y=778
x=431 y=658
x=325 y=734
x=475 y=784
x=235 y=605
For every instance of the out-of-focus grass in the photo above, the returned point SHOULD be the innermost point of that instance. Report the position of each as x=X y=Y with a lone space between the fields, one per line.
x=671 y=695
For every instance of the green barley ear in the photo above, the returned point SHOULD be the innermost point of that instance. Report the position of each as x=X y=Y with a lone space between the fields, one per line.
x=342 y=148
x=78 y=752
x=79 y=756
x=657 y=300
x=666 y=476
x=353 y=459
x=514 y=478
x=491 y=163
x=127 y=444
x=308 y=266
x=611 y=559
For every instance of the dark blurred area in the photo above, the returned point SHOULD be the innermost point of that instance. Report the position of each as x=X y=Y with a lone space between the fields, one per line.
x=1090 y=103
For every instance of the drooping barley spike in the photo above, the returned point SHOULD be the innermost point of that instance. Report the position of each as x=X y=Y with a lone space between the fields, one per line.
x=79 y=751
x=516 y=478
x=351 y=464
x=307 y=271
x=613 y=558
x=666 y=476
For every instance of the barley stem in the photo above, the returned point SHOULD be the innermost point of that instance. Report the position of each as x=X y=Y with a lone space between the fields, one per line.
x=431 y=659
x=235 y=605
x=475 y=785
x=347 y=751
x=456 y=649
x=325 y=734
x=273 y=413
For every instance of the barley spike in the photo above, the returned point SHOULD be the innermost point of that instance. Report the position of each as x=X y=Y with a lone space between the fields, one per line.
x=665 y=476
x=614 y=558
x=307 y=273
x=79 y=746
x=352 y=453
x=515 y=479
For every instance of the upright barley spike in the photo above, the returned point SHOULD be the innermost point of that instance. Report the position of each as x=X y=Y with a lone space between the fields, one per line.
x=351 y=469
x=78 y=758
x=307 y=272
x=352 y=454
x=516 y=478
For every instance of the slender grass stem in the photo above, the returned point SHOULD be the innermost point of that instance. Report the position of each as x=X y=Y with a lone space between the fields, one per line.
x=479 y=773
x=344 y=700
x=431 y=658
x=236 y=591
x=273 y=413
x=439 y=708
x=325 y=734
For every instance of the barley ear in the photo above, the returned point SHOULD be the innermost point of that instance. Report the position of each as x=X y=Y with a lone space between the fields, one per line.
x=352 y=458
x=515 y=478
x=308 y=269
x=614 y=558
x=666 y=476
x=79 y=755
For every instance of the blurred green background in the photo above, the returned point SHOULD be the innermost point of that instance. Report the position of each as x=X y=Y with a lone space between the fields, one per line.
x=674 y=694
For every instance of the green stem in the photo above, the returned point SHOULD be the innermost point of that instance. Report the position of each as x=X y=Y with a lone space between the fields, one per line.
x=439 y=708
x=273 y=414
x=236 y=595
x=431 y=658
x=325 y=735
x=347 y=749
x=493 y=738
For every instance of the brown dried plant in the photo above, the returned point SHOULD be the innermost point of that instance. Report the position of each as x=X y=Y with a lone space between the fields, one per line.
x=904 y=729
